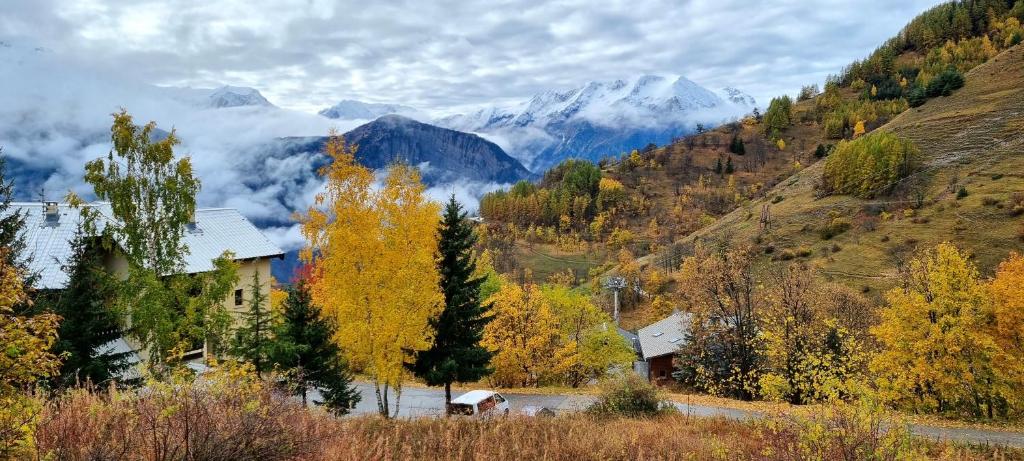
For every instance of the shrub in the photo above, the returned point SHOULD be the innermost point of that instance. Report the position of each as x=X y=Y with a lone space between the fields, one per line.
x=804 y=252
x=227 y=414
x=835 y=227
x=962 y=193
x=945 y=83
x=870 y=165
x=1016 y=204
x=629 y=395
x=840 y=431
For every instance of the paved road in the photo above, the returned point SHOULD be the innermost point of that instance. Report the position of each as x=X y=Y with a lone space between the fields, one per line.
x=421 y=401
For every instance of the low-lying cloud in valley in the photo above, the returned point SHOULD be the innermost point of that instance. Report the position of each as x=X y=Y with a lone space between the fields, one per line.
x=55 y=116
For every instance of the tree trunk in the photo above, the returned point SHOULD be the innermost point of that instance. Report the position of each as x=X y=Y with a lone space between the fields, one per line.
x=398 y=399
x=447 y=395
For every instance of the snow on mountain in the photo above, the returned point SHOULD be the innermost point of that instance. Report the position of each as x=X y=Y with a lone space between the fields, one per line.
x=358 y=110
x=738 y=97
x=601 y=118
x=218 y=98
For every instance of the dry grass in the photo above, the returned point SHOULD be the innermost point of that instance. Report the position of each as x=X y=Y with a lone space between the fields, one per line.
x=967 y=139
x=234 y=417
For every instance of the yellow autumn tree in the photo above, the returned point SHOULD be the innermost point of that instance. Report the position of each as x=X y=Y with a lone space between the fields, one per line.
x=1008 y=296
x=27 y=358
x=590 y=345
x=524 y=336
x=858 y=129
x=781 y=144
x=812 y=351
x=938 y=351
x=372 y=251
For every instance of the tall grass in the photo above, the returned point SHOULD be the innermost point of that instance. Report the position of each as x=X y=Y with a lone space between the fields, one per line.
x=233 y=417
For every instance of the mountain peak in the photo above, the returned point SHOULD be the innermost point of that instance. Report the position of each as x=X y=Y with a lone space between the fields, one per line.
x=349 y=109
x=236 y=96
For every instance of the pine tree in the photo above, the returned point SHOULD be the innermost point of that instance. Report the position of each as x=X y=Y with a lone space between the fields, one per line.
x=304 y=351
x=456 y=355
x=253 y=340
x=736 y=146
x=728 y=166
x=88 y=319
x=718 y=166
x=10 y=222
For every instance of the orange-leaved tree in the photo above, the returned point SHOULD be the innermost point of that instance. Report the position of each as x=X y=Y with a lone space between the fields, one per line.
x=372 y=254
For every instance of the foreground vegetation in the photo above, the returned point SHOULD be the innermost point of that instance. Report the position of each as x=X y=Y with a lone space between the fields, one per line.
x=229 y=415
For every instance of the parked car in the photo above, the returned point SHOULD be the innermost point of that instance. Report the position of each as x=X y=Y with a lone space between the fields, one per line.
x=479 y=403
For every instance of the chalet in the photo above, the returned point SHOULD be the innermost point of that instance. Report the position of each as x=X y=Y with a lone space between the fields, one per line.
x=50 y=228
x=658 y=344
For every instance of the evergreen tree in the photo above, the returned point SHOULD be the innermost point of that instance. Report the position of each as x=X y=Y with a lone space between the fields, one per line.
x=821 y=151
x=86 y=307
x=304 y=351
x=252 y=340
x=736 y=146
x=456 y=355
x=718 y=166
x=728 y=166
x=10 y=222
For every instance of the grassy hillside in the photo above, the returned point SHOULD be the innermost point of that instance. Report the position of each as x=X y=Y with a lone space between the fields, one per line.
x=972 y=141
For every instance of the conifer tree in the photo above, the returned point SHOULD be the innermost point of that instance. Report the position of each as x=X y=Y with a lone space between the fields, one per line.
x=736 y=146
x=456 y=355
x=86 y=307
x=304 y=351
x=11 y=224
x=718 y=166
x=252 y=342
x=728 y=166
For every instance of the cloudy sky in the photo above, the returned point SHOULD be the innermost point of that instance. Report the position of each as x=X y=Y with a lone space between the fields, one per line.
x=443 y=54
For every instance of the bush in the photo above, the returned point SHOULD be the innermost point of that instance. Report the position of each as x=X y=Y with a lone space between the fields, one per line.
x=631 y=396
x=917 y=97
x=962 y=193
x=840 y=431
x=945 y=83
x=227 y=414
x=869 y=166
x=835 y=227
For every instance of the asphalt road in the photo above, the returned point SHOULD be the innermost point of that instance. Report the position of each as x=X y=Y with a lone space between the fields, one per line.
x=422 y=401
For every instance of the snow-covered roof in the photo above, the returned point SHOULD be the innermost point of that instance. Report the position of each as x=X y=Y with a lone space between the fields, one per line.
x=216 y=230
x=472 y=397
x=664 y=336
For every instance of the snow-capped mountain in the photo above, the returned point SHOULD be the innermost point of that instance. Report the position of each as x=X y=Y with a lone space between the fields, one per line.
x=358 y=110
x=601 y=118
x=219 y=98
x=738 y=97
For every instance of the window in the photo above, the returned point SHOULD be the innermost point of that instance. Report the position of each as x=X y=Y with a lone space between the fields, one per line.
x=238 y=297
x=662 y=374
x=657 y=334
x=498 y=398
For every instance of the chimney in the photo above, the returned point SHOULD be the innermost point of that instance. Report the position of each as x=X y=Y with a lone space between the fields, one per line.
x=52 y=212
x=191 y=226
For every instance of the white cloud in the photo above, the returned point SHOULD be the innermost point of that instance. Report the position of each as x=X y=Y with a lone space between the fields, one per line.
x=306 y=54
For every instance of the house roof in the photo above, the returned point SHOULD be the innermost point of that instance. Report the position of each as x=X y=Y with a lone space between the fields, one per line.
x=631 y=338
x=48 y=242
x=472 y=397
x=664 y=336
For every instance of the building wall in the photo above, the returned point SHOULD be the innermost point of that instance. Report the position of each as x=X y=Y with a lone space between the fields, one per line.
x=118 y=265
x=660 y=369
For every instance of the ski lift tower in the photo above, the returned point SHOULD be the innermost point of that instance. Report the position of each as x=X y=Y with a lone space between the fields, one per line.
x=615 y=284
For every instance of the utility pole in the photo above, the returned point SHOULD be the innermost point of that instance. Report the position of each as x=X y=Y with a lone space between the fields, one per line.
x=615 y=284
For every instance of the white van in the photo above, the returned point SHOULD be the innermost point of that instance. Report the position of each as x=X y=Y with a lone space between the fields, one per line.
x=479 y=403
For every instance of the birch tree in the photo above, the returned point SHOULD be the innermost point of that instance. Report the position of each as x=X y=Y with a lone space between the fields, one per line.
x=372 y=250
